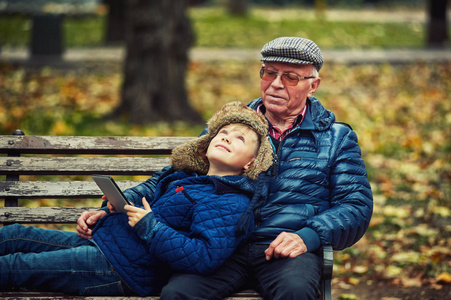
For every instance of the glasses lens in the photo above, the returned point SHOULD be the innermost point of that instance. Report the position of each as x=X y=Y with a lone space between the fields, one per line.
x=290 y=79
x=270 y=75
x=262 y=73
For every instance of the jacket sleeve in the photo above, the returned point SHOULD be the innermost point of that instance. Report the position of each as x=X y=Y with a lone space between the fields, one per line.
x=144 y=189
x=351 y=200
x=209 y=243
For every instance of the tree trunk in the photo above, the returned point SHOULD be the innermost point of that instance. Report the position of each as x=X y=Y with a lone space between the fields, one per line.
x=115 y=27
x=437 y=31
x=158 y=35
x=238 y=7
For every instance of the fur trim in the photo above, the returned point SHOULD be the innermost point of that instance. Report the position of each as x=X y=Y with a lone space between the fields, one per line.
x=191 y=155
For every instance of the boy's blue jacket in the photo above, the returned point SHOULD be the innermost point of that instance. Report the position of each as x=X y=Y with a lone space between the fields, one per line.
x=191 y=228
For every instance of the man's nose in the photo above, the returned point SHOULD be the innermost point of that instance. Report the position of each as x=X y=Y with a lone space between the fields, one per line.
x=278 y=81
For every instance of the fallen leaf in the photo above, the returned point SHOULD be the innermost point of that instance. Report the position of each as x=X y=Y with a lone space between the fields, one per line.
x=444 y=278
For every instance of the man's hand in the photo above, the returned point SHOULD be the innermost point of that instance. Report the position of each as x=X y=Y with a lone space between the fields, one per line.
x=286 y=245
x=135 y=213
x=87 y=220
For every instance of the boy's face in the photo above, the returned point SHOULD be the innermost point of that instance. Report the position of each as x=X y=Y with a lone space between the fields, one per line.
x=232 y=150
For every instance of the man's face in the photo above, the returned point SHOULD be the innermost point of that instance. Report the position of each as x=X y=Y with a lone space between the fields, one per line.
x=281 y=100
x=233 y=149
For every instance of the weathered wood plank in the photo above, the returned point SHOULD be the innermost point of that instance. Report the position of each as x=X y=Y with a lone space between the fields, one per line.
x=245 y=295
x=89 y=144
x=81 y=165
x=56 y=189
x=56 y=215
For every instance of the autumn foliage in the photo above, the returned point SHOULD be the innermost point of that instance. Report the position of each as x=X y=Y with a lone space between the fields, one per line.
x=401 y=113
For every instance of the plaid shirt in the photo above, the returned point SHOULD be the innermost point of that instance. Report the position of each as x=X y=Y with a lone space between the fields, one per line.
x=276 y=132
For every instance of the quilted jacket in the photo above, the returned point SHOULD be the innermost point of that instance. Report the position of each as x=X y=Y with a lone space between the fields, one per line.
x=319 y=187
x=191 y=228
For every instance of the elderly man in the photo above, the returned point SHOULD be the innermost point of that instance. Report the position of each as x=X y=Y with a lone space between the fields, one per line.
x=317 y=190
x=318 y=194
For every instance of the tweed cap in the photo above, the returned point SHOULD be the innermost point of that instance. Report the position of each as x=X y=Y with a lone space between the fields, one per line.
x=191 y=155
x=293 y=50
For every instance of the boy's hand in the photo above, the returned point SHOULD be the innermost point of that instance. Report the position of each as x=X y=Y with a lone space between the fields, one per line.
x=109 y=205
x=135 y=213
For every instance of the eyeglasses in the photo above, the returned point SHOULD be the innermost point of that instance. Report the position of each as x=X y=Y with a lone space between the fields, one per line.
x=287 y=78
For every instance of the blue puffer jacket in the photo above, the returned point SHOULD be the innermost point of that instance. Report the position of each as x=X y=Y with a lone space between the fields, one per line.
x=319 y=187
x=191 y=228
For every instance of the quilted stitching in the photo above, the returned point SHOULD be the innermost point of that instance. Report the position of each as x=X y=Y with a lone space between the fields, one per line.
x=197 y=232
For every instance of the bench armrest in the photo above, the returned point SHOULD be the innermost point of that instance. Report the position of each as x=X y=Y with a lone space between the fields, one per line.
x=328 y=261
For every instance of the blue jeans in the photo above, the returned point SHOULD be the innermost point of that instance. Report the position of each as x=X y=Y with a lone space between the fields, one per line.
x=292 y=278
x=55 y=261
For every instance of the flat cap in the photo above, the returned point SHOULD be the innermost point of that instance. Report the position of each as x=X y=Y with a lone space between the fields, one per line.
x=293 y=50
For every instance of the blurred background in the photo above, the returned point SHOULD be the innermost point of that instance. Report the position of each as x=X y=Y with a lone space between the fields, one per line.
x=142 y=67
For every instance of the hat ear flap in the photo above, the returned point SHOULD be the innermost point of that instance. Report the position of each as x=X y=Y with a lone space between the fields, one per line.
x=263 y=161
x=191 y=157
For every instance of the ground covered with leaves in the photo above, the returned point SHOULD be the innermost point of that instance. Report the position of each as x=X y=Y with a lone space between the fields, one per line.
x=402 y=115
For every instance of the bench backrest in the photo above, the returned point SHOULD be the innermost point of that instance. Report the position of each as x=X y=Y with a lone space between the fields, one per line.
x=71 y=160
x=75 y=159
x=64 y=7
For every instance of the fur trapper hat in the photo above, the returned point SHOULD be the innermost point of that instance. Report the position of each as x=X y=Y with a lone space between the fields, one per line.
x=191 y=156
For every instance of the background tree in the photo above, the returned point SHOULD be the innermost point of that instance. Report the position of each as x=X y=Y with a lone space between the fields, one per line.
x=158 y=38
x=437 y=31
x=115 y=24
x=238 y=7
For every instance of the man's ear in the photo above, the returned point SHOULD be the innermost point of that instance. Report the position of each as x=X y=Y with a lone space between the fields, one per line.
x=249 y=164
x=314 y=86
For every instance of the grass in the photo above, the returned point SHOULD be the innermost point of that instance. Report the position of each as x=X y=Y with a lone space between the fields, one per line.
x=215 y=28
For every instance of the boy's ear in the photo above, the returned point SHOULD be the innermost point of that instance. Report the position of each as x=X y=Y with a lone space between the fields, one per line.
x=249 y=164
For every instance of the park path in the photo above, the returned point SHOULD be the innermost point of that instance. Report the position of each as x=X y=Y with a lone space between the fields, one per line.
x=99 y=55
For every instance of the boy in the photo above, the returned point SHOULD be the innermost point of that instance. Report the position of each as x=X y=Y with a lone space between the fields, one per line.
x=198 y=214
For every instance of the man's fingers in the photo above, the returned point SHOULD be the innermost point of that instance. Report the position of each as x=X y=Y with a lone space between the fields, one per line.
x=270 y=251
x=82 y=220
x=86 y=234
x=286 y=245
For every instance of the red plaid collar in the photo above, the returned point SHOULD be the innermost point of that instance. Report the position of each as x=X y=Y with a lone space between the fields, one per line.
x=277 y=133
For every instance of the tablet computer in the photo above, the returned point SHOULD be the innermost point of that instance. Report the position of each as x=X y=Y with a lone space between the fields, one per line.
x=112 y=192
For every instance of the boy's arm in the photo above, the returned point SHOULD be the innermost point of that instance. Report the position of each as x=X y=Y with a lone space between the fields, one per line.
x=211 y=240
x=145 y=189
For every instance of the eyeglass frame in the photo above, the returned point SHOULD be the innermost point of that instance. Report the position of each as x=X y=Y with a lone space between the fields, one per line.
x=284 y=81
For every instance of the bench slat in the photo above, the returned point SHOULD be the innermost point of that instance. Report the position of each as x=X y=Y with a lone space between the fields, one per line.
x=56 y=189
x=82 y=165
x=243 y=295
x=55 y=215
x=89 y=144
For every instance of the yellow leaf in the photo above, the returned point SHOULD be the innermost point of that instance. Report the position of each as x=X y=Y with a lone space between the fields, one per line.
x=353 y=281
x=393 y=271
x=411 y=282
x=360 y=269
x=444 y=278
x=347 y=297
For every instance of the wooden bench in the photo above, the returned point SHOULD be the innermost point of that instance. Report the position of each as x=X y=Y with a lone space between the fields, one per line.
x=47 y=34
x=71 y=160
